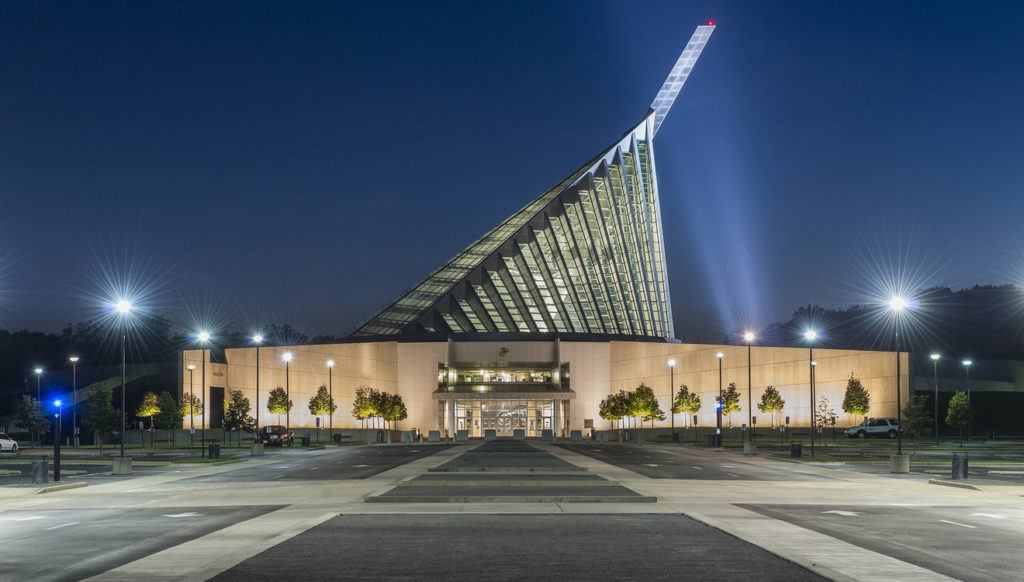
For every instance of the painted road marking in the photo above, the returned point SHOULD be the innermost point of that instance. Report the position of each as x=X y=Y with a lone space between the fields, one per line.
x=314 y=468
x=62 y=525
x=732 y=475
x=728 y=466
x=842 y=512
x=29 y=518
x=361 y=466
x=989 y=515
x=186 y=514
x=651 y=465
x=959 y=524
x=698 y=468
x=278 y=476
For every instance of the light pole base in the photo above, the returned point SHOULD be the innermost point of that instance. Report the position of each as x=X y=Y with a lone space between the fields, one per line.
x=257 y=449
x=899 y=463
x=122 y=466
x=749 y=448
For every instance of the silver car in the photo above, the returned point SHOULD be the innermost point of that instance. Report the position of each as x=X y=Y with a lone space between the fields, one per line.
x=8 y=444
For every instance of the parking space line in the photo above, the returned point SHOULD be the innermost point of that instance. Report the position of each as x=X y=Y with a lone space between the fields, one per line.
x=959 y=524
x=62 y=525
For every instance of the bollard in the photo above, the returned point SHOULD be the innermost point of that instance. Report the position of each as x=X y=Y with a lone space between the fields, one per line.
x=796 y=450
x=41 y=472
x=959 y=469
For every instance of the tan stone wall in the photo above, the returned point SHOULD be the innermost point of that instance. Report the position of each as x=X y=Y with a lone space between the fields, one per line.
x=356 y=364
x=784 y=368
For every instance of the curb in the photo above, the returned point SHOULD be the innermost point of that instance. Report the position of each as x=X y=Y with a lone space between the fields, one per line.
x=61 y=487
x=953 y=484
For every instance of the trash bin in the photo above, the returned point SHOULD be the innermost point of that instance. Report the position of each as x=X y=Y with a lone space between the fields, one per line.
x=337 y=438
x=214 y=450
x=959 y=467
x=796 y=450
x=305 y=441
x=41 y=471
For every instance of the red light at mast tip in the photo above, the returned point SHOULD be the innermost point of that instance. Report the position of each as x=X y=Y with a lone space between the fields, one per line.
x=711 y=22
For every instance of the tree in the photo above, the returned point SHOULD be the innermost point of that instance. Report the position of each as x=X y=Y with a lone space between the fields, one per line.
x=149 y=408
x=686 y=402
x=100 y=416
x=771 y=402
x=169 y=417
x=645 y=404
x=916 y=420
x=236 y=417
x=320 y=405
x=856 y=400
x=824 y=415
x=959 y=415
x=278 y=403
x=29 y=415
x=191 y=406
x=396 y=410
x=730 y=400
x=363 y=404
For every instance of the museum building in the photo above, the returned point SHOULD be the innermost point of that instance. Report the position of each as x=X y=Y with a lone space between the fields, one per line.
x=532 y=325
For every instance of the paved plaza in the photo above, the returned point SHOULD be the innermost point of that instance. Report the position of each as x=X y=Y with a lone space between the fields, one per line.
x=503 y=509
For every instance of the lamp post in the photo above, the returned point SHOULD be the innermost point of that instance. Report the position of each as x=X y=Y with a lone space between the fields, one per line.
x=191 y=409
x=749 y=337
x=257 y=339
x=672 y=395
x=330 y=393
x=203 y=337
x=935 y=368
x=718 y=409
x=898 y=305
x=39 y=374
x=287 y=358
x=967 y=379
x=810 y=335
x=74 y=400
x=56 y=442
x=123 y=308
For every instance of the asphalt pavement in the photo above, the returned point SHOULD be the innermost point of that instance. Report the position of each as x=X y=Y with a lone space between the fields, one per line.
x=354 y=462
x=968 y=543
x=683 y=463
x=515 y=547
x=72 y=544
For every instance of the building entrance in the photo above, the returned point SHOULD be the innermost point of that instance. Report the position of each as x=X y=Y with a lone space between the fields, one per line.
x=504 y=416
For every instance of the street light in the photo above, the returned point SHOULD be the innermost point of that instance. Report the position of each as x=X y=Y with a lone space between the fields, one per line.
x=191 y=409
x=935 y=368
x=56 y=442
x=330 y=393
x=718 y=409
x=810 y=336
x=287 y=358
x=74 y=400
x=203 y=337
x=672 y=395
x=257 y=339
x=967 y=378
x=898 y=304
x=123 y=307
x=749 y=337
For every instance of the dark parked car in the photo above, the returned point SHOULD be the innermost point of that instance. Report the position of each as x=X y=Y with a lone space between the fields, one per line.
x=275 y=434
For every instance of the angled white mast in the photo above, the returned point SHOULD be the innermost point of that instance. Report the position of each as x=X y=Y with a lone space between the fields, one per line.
x=680 y=72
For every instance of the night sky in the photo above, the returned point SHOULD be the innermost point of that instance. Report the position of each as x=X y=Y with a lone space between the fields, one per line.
x=307 y=162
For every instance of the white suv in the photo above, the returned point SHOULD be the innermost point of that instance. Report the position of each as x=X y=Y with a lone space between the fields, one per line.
x=8 y=444
x=874 y=427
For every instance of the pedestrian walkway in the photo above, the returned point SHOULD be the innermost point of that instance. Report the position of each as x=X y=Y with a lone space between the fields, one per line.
x=508 y=472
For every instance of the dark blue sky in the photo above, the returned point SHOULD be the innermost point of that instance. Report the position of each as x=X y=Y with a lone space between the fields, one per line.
x=307 y=162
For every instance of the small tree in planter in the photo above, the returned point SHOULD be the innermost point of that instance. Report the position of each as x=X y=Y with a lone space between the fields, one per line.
x=686 y=402
x=645 y=404
x=100 y=416
x=730 y=401
x=916 y=420
x=278 y=403
x=191 y=406
x=30 y=416
x=320 y=405
x=856 y=401
x=169 y=417
x=236 y=417
x=771 y=402
x=149 y=408
x=825 y=415
x=959 y=415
